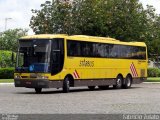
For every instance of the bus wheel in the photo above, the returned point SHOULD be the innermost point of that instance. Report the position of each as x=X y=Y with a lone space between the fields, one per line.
x=66 y=85
x=91 y=87
x=128 y=82
x=38 y=90
x=118 y=82
x=103 y=87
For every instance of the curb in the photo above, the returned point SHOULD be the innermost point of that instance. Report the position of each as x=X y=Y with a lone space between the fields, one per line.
x=143 y=82
x=152 y=82
x=6 y=83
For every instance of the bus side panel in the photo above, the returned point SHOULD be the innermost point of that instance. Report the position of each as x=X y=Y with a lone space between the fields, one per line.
x=101 y=68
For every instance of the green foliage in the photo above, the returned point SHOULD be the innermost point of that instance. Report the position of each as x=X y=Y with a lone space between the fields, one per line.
x=52 y=18
x=154 y=42
x=153 y=72
x=8 y=39
x=6 y=80
x=153 y=79
x=5 y=59
x=6 y=73
x=125 y=20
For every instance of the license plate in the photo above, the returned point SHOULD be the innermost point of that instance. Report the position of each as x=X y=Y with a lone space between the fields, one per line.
x=28 y=83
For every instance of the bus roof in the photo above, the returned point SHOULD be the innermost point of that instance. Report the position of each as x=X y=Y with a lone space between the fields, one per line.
x=104 y=40
x=44 y=36
x=83 y=38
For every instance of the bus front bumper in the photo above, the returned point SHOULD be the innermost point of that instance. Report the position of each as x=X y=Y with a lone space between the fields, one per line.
x=38 y=83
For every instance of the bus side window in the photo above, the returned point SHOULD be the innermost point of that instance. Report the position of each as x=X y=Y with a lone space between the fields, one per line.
x=106 y=51
x=113 y=51
x=73 y=48
x=89 y=49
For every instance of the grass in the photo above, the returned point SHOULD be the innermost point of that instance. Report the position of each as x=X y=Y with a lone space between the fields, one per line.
x=153 y=79
x=150 y=79
x=6 y=80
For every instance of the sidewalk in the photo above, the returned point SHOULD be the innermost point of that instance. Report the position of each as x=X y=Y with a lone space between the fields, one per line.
x=6 y=83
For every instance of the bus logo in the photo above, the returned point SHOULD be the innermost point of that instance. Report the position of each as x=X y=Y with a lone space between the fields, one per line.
x=133 y=70
x=76 y=75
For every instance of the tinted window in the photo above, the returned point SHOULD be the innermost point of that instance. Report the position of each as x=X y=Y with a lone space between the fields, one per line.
x=74 y=48
x=92 y=49
x=57 y=55
x=86 y=49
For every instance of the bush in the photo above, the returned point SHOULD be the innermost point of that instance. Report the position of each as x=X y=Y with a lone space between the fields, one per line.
x=5 y=59
x=153 y=72
x=6 y=73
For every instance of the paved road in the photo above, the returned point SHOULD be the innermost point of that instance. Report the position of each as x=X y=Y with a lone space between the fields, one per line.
x=140 y=99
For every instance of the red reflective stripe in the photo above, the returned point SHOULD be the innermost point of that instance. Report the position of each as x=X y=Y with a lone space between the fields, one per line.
x=77 y=73
x=74 y=74
x=133 y=70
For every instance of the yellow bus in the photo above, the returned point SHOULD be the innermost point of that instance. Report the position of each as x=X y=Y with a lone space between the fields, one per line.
x=62 y=61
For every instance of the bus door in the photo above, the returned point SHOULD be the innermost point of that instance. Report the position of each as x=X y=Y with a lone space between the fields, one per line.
x=57 y=56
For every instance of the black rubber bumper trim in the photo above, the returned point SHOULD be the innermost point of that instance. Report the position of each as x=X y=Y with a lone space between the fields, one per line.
x=31 y=83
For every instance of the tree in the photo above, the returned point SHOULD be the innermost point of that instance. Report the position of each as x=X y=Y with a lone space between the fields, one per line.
x=125 y=20
x=8 y=39
x=154 y=42
x=5 y=59
x=52 y=18
x=121 y=19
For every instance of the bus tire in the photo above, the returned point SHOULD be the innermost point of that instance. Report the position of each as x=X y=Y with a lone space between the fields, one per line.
x=66 y=85
x=38 y=90
x=119 y=81
x=91 y=87
x=103 y=87
x=128 y=82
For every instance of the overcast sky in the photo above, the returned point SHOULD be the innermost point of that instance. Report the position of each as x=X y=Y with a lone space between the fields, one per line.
x=20 y=12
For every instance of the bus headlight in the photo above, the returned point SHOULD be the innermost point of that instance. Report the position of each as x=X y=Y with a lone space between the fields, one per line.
x=41 y=76
x=17 y=77
x=44 y=77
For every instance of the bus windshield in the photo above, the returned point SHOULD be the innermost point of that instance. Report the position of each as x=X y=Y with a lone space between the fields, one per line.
x=33 y=56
